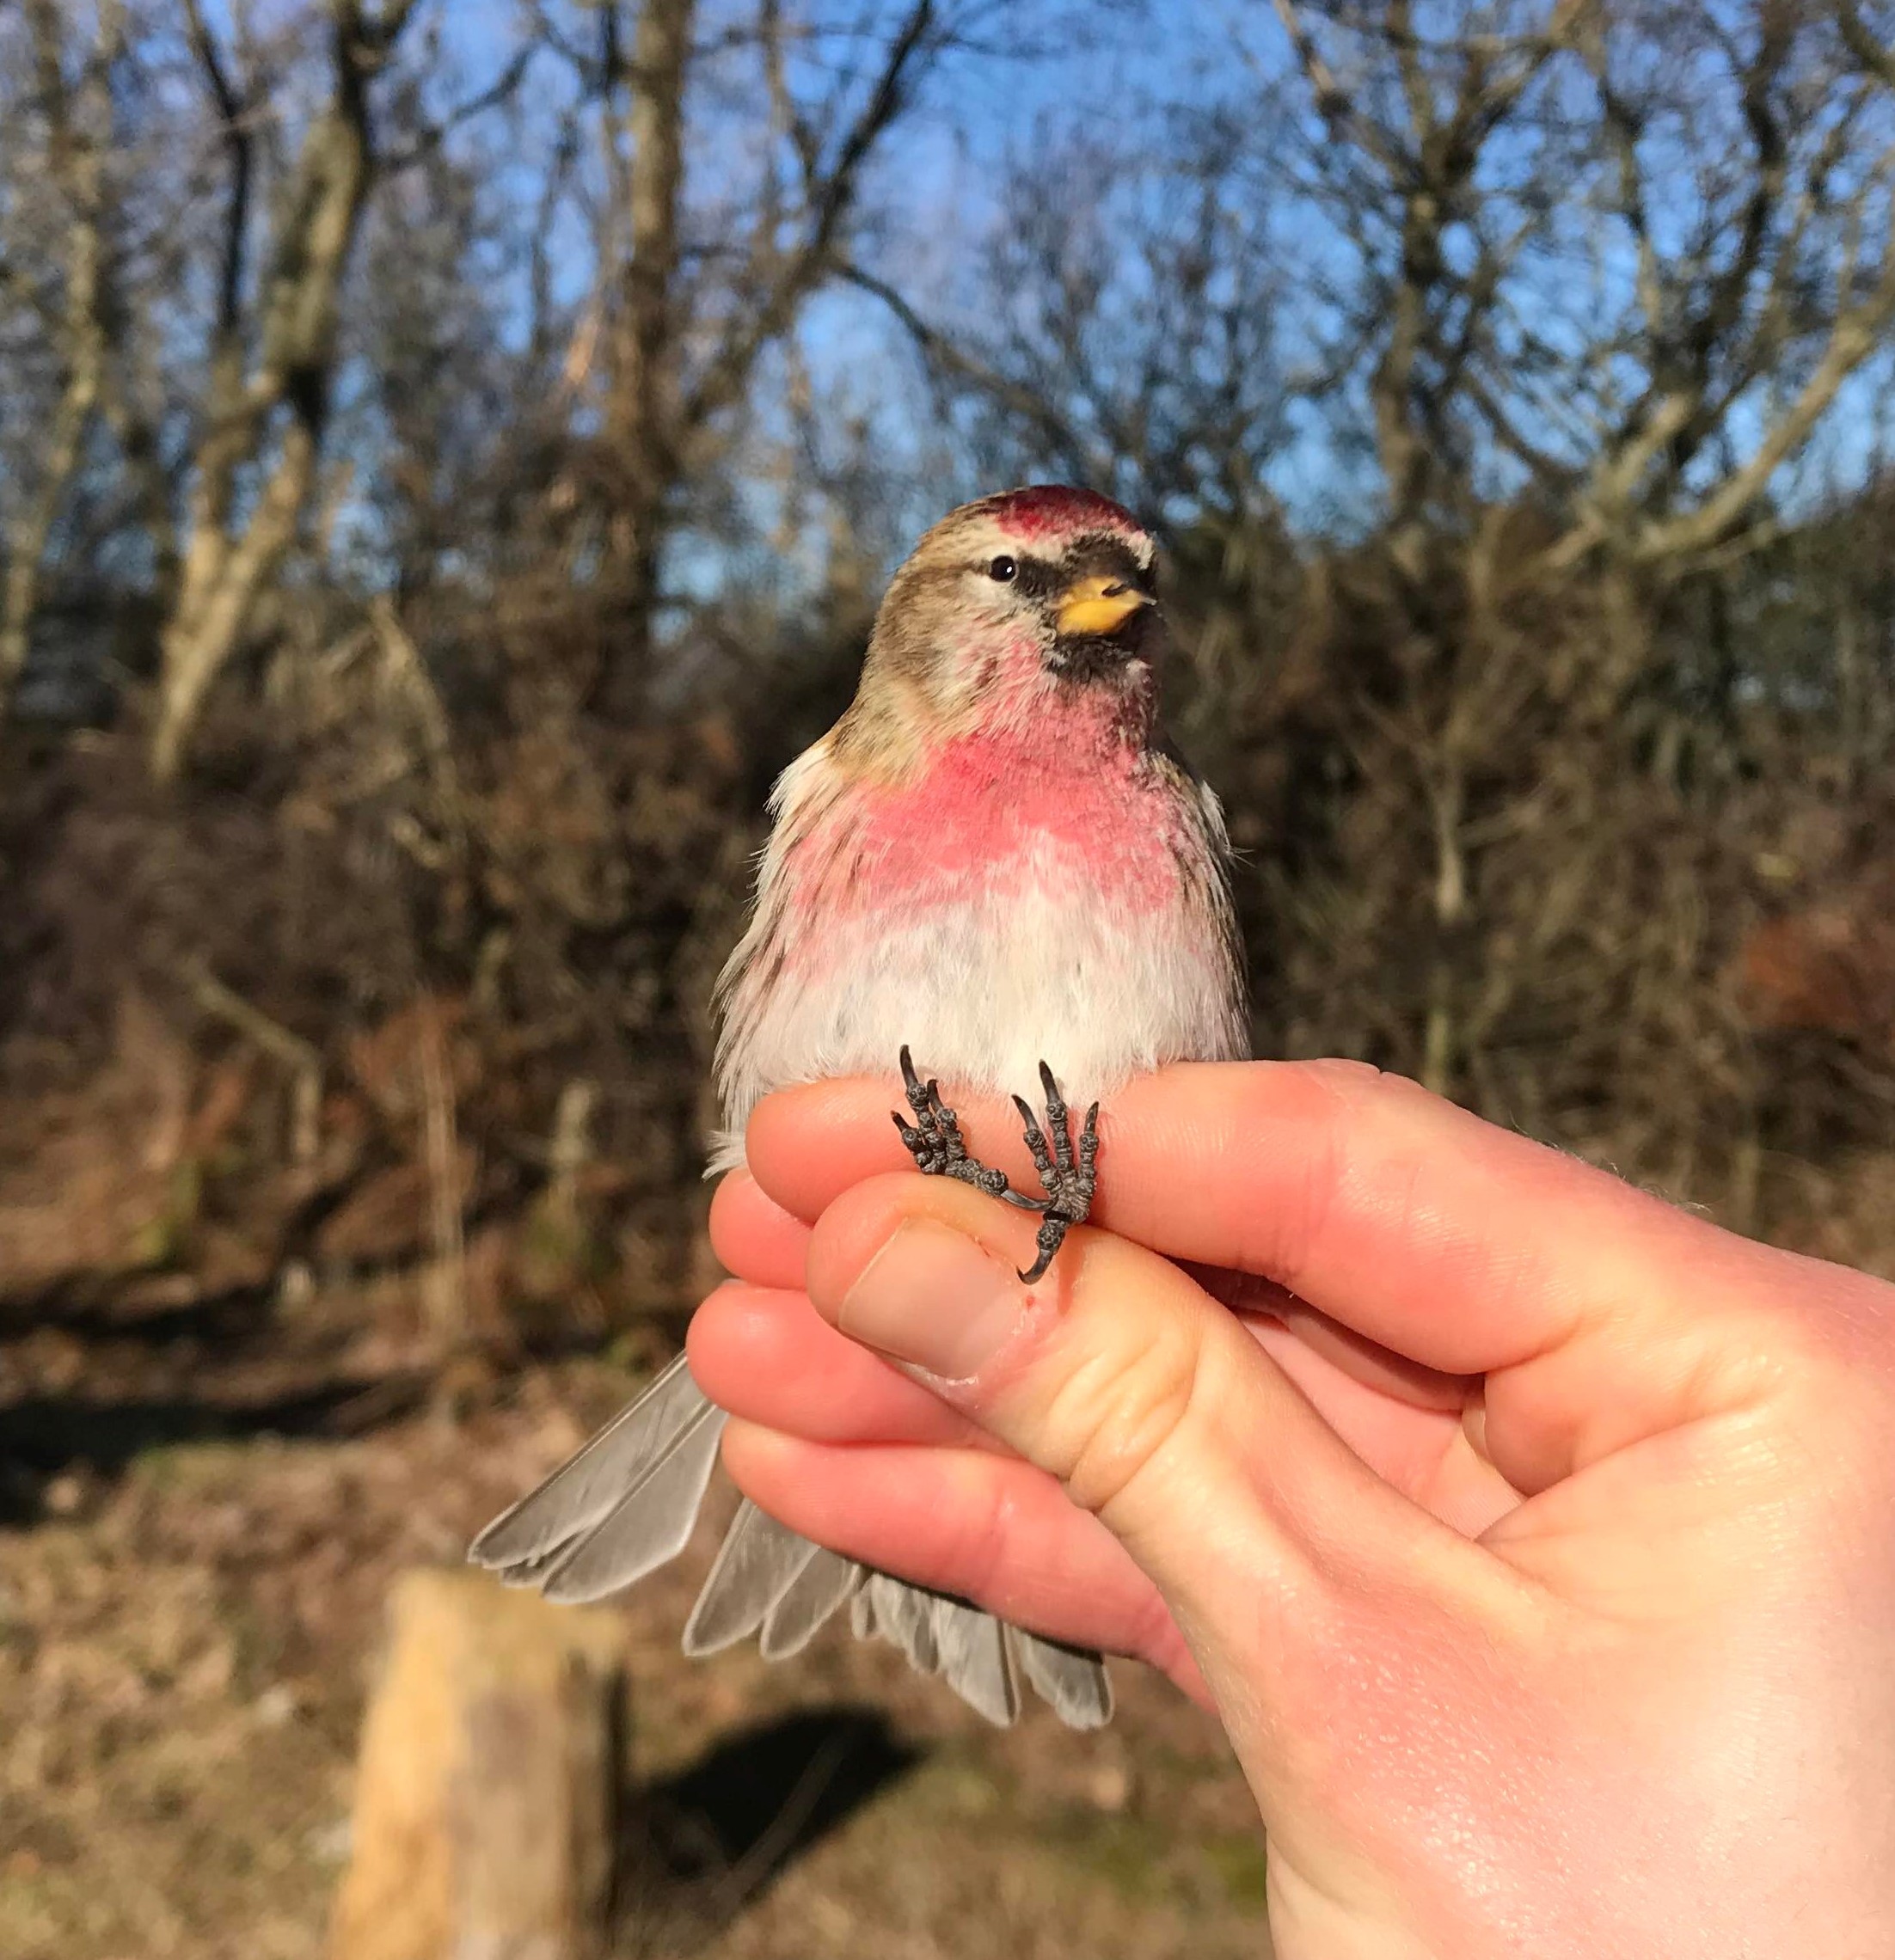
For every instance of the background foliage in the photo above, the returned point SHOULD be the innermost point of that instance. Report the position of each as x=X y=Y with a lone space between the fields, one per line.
x=450 y=454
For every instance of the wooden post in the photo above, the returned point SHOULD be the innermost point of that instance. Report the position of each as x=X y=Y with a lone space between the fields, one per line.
x=486 y=1801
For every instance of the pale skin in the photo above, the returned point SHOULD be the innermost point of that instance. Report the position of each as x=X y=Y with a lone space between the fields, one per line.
x=1533 y=1541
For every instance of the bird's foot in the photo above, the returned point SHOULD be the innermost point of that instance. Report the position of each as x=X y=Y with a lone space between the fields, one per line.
x=934 y=1138
x=1066 y=1176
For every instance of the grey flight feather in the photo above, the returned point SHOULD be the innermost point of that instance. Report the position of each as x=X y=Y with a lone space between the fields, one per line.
x=525 y=1538
x=627 y=1503
x=650 y=1525
x=981 y=1658
x=757 y=1563
x=1072 y=1678
x=904 y=1615
x=816 y=1593
x=863 y=1622
x=974 y=1662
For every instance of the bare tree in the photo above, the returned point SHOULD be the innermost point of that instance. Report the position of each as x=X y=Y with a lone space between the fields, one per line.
x=1621 y=258
x=697 y=284
x=274 y=351
x=76 y=114
x=1634 y=250
x=1773 y=299
x=647 y=100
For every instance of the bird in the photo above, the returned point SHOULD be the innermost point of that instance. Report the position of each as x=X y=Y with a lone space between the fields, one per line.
x=994 y=862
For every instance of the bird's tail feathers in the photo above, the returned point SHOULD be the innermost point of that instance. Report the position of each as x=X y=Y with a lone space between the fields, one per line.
x=621 y=1508
x=627 y=1502
x=983 y=1659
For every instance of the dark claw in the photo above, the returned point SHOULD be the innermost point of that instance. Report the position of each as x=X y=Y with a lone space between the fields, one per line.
x=911 y=1087
x=1036 y=1141
x=934 y=1141
x=934 y=1138
x=1069 y=1185
x=1055 y=1119
x=1050 y=1236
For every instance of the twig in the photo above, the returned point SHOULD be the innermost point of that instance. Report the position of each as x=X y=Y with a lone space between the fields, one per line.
x=445 y=1288
x=304 y=1061
x=409 y=672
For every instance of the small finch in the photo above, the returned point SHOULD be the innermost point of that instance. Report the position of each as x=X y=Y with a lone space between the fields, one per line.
x=990 y=865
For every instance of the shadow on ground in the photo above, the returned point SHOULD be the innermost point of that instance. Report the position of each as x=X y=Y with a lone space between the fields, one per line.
x=42 y=1435
x=707 y=1840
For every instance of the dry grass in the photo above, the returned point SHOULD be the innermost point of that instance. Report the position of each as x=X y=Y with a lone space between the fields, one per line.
x=184 y=1647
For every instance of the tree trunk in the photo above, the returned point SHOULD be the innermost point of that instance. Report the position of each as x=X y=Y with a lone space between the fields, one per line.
x=232 y=557
x=223 y=579
x=486 y=1802
x=78 y=135
x=639 y=416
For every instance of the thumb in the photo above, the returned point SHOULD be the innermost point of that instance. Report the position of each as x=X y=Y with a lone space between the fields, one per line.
x=1156 y=1409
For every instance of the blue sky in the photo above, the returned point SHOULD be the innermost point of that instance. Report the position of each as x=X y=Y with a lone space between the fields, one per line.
x=1111 y=71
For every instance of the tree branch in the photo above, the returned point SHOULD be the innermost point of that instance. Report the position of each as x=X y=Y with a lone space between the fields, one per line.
x=1870 y=55
x=797 y=271
x=937 y=349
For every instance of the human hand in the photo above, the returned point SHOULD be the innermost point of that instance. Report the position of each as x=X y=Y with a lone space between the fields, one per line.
x=1534 y=1540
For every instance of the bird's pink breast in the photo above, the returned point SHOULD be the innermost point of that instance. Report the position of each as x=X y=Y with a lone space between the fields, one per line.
x=1076 y=805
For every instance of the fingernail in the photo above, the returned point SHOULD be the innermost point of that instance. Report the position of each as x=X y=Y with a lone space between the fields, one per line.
x=932 y=1299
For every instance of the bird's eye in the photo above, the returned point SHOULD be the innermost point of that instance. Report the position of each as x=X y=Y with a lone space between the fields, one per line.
x=1002 y=571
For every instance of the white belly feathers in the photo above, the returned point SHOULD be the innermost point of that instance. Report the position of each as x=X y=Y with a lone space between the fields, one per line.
x=1038 y=965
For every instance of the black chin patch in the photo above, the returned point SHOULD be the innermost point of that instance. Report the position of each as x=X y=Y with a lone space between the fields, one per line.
x=1105 y=656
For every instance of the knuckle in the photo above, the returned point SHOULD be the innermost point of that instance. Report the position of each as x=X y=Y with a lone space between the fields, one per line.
x=972 y=1557
x=1114 y=1416
x=1312 y=1107
x=1327 y=1114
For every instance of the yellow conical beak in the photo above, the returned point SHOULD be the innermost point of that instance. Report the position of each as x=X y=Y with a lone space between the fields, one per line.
x=1099 y=604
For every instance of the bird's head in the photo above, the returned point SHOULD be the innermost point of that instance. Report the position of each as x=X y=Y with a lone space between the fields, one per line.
x=1011 y=607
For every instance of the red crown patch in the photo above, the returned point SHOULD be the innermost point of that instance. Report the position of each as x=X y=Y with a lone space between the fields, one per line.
x=1048 y=508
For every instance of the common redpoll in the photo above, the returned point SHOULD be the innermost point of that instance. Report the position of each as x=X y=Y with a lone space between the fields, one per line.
x=990 y=863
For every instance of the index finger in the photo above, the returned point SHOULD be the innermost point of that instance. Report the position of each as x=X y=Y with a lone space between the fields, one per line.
x=1462 y=1246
